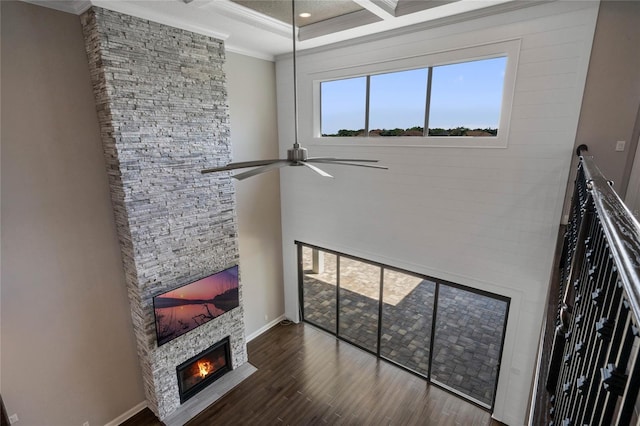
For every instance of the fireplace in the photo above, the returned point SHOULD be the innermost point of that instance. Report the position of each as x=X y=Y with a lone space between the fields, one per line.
x=203 y=369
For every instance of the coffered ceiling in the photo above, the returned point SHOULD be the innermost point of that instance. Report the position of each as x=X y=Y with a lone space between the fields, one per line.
x=262 y=28
x=322 y=10
x=319 y=10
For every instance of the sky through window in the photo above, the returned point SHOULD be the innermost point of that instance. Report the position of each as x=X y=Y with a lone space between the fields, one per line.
x=467 y=94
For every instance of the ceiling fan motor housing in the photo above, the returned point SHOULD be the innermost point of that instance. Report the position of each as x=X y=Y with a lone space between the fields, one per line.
x=297 y=154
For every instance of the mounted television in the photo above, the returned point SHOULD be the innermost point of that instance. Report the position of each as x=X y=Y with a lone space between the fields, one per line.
x=189 y=306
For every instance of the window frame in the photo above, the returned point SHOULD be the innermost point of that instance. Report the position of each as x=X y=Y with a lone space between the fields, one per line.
x=509 y=49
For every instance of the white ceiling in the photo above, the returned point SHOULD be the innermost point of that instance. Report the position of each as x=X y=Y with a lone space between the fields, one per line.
x=253 y=33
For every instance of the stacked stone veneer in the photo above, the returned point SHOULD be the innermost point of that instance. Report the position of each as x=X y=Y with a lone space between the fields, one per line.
x=162 y=106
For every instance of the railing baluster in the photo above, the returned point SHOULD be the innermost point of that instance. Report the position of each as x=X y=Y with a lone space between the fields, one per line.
x=598 y=296
x=614 y=377
x=602 y=394
x=631 y=391
x=594 y=372
x=573 y=298
x=603 y=329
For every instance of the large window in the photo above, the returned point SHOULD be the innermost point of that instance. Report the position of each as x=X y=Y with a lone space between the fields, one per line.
x=455 y=98
x=462 y=99
x=449 y=334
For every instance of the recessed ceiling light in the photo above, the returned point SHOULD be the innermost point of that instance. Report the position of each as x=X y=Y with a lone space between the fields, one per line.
x=305 y=15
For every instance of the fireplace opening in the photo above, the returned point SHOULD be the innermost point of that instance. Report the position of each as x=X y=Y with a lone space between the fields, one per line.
x=203 y=369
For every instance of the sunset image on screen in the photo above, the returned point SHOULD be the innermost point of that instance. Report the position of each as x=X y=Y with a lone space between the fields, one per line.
x=185 y=308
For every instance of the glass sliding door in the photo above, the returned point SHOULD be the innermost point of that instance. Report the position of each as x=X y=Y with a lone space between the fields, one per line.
x=450 y=334
x=407 y=319
x=359 y=302
x=468 y=342
x=319 y=287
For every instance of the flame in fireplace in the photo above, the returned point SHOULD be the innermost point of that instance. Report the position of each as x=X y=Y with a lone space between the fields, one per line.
x=204 y=368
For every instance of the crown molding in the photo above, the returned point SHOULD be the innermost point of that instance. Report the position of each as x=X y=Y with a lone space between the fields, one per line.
x=244 y=14
x=159 y=17
x=246 y=52
x=81 y=6
x=77 y=7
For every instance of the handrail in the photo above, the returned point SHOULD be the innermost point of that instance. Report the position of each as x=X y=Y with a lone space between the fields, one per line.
x=621 y=228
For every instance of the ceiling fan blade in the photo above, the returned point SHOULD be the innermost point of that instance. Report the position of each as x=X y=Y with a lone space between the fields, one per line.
x=343 y=163
x=241 y=165
x=357 y=160
x=263 y=169
x=316 y=169
x=321 y=158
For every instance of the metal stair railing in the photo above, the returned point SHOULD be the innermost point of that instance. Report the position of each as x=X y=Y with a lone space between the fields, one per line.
x=594 y=372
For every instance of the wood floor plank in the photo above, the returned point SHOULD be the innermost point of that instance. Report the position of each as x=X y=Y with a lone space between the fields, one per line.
x=307 y=377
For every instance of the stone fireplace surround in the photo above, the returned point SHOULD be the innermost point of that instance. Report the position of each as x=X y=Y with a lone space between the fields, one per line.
x=162 y=107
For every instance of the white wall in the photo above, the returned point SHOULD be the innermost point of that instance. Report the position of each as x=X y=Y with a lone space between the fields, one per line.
x=254 y=135
x=485 y=218
x=68 y=351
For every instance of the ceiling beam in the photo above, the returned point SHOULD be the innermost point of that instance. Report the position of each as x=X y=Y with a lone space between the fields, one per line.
x=408 y=7
x=380 y=8
x=389 y=5
x=337 y=24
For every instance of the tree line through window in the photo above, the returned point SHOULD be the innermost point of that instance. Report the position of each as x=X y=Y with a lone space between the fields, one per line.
x=461 y=99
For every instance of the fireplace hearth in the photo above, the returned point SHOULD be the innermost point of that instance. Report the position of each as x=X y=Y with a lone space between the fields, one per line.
x=203 y=369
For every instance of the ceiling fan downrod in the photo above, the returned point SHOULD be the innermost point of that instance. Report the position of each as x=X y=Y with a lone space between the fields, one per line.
x=297 y=155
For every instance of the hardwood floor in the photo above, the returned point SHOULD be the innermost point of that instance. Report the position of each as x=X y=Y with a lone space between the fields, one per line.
x=307 y=377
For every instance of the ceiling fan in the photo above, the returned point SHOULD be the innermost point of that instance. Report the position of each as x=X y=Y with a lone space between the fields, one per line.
x=297 y=155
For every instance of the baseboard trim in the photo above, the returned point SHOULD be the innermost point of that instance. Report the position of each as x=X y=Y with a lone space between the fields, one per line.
x=128 y=414
x=265 y=328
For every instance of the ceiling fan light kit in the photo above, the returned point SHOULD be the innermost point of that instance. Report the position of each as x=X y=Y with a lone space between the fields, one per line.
x=297 y=155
